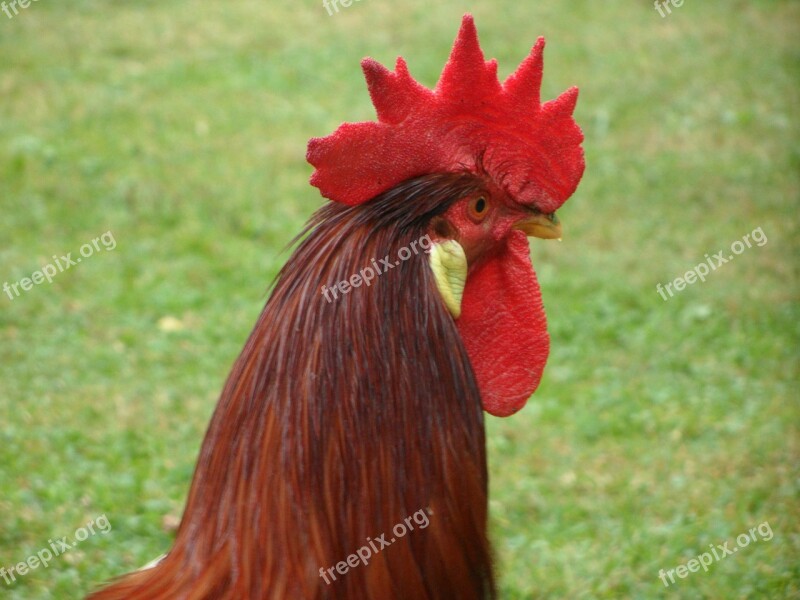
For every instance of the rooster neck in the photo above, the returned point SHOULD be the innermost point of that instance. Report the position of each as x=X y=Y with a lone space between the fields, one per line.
x=341 y=420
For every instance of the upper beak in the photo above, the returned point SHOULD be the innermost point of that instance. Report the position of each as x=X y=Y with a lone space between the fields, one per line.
x=545 y=226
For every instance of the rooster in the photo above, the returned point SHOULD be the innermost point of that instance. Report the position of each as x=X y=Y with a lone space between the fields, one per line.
x=346 y=457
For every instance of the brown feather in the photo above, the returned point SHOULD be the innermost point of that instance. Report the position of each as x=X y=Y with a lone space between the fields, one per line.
x=338 y=420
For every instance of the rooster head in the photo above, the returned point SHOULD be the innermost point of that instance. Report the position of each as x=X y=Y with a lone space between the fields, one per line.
x=529 y=160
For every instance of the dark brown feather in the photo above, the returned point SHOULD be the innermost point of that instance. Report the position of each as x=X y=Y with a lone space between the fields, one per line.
x=338 y=420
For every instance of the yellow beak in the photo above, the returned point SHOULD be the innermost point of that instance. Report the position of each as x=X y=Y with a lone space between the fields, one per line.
x=545 y=226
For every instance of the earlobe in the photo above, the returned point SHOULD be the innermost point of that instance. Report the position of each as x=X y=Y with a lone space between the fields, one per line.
x=441 y=228
x=449 y=265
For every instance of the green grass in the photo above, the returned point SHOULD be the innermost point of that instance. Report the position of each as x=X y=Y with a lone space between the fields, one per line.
x=660 y=427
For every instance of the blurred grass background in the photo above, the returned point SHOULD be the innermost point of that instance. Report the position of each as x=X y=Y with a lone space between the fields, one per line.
x=660 y=427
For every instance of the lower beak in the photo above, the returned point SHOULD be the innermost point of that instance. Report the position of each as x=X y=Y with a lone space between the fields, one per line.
x=545 y=226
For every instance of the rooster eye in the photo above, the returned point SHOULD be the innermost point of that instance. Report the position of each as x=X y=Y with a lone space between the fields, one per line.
x=478 y=208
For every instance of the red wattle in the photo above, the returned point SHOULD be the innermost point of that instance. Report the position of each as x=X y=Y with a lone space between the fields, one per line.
x=504 y=328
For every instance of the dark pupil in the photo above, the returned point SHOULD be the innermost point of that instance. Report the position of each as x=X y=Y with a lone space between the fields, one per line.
x=480 y=205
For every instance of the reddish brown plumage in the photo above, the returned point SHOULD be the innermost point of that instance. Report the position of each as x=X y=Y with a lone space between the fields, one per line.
x=337 y=421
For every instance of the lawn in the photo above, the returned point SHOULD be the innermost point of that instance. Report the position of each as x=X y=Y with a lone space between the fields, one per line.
x=177 y=131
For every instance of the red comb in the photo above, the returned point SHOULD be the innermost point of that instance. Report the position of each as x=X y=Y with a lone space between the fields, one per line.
x=470 y=121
